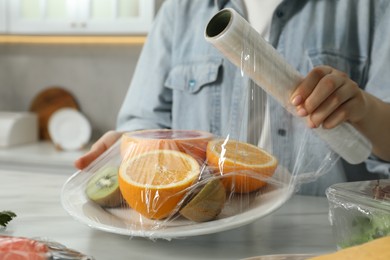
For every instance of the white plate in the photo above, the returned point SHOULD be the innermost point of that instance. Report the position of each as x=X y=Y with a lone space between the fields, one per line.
x=69 y=129
x=126 y=221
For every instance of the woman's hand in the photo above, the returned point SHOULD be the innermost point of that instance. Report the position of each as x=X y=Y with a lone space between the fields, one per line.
x=329 y=97
x=99 y=147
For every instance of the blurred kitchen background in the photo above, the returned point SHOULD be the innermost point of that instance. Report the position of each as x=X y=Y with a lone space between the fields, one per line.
x=88 y=47
x=97 y=74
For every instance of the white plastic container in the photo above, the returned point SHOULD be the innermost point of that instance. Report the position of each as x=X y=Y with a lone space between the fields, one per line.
x=359 y=211
x=18 y=128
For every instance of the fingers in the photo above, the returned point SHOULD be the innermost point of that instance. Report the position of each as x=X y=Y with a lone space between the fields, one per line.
x=329 y=106
x=336 y=118
x=326 y=97
x=353 y=110
x=98 y=148
x=109 y=138
x=89 y=157
x=308 y=84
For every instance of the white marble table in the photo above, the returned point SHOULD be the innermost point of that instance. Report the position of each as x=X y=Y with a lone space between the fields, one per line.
x=299 y=226
x=39 y=156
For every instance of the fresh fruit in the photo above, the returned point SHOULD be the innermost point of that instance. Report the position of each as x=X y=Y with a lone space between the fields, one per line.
x=20 y=248
x=246 y=166
x=191 y=142
x=154 y=183
x=103 y=187
x=207 y=203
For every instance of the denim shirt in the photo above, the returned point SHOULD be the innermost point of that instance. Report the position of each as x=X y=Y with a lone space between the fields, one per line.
x=183 y=82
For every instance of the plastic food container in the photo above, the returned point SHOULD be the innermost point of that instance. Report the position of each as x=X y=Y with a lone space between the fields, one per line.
x=359 y=211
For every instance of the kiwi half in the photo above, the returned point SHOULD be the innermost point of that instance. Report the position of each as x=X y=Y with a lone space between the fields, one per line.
x=207 y=203
x=103 y=188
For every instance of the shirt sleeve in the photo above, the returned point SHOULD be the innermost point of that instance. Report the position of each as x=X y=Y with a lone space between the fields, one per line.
x=376 y=165
x=379 y=78
x=147 y=104
x=378 y=82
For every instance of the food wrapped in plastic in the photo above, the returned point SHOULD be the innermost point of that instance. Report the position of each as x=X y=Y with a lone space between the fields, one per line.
x=359 y=211
x=168 y=183
x=22 y=248
x=172 y=183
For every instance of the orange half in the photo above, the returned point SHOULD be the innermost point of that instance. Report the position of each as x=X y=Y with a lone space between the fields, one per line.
x=246 y=166
x=154 y=183
x=192 y=142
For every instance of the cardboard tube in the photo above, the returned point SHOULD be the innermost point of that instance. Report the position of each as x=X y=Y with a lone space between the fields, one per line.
x=235 y=38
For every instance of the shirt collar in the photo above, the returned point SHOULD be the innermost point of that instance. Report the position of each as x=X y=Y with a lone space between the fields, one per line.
x=237 y=4
x=220 y=3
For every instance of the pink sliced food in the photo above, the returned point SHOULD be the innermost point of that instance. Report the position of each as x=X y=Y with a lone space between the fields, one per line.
x=19 y=248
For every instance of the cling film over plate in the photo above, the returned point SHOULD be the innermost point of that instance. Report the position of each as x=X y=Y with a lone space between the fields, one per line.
x=170 y=183
x=153 y=181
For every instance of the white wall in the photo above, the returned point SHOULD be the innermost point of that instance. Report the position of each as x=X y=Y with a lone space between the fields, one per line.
x=97 y=75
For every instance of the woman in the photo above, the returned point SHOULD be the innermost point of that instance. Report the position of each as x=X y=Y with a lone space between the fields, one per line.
x=182 y=82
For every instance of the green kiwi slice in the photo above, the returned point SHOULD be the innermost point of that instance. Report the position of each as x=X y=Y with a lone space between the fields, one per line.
x=207 y=203
x=103 y=188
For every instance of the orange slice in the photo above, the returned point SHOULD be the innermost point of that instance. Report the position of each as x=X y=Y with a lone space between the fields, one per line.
x=153 y=183
x=246 y=166
x=191 y=142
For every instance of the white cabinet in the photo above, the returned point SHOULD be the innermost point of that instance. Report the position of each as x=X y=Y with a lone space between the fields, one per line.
x=3 y=17
x=41 y=16
x=118 y=16
x=80 y=16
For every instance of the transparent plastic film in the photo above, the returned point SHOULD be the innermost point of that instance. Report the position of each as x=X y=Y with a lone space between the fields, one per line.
x=359 y=211
x=170 y=183
x=37 y=249
x=242 y=45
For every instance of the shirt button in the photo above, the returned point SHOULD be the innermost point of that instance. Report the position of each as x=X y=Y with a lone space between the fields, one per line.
x=279 y=13
x=191 y=83
x=282 y=132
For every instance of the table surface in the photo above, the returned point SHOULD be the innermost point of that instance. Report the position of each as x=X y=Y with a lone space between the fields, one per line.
x=300 y=226
x=39 y=156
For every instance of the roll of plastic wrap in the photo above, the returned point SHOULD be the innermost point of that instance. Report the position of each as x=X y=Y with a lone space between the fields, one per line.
x=235 y=38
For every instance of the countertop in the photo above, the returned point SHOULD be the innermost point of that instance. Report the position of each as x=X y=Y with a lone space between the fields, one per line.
x=39 y=156
x=300 y=226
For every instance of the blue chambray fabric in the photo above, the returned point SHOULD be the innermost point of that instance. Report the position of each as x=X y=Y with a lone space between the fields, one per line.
x=183 y=82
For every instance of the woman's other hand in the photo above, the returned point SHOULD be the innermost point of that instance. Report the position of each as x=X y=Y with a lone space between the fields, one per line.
x=99 y=147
